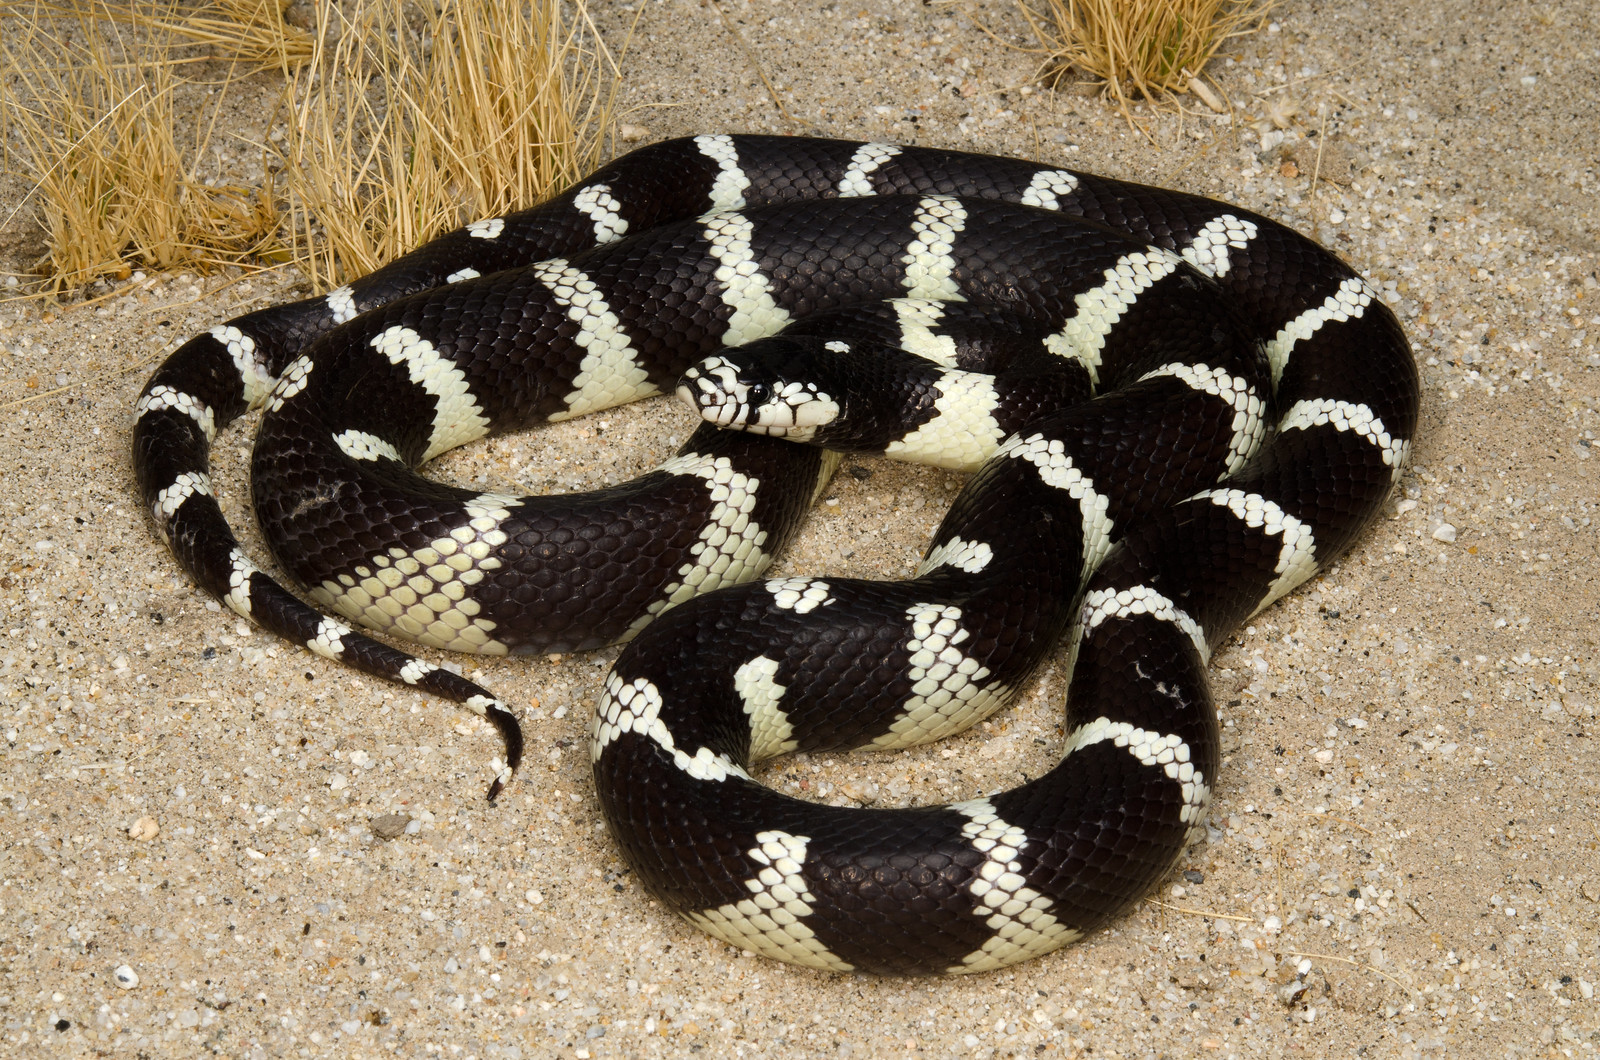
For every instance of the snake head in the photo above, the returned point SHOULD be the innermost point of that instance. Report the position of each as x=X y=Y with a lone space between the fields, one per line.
x=750 y=393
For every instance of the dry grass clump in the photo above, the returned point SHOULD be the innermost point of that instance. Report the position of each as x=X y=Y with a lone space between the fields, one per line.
x=92 y=119
x=398 y=121
x=1136 y=48
x=408 y=122
x=250 y=32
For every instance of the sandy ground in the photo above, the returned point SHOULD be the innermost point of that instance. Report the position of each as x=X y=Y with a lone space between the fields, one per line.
x=1402 y=858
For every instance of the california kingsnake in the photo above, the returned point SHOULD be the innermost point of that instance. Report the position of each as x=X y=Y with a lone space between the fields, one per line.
x=611 y=292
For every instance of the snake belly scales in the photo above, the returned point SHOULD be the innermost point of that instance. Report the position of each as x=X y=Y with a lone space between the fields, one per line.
x=1251 y=404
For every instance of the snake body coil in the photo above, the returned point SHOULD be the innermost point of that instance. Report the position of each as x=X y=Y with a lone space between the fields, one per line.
x=1253 y=403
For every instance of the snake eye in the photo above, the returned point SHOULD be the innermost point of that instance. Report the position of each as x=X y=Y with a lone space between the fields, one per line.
x=758 y=394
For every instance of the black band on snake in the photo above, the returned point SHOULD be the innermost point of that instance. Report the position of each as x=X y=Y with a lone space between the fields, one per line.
x=1176 y=411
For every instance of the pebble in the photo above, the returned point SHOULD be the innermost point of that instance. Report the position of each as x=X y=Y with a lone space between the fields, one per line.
x=1292 y=991
x=1444 y=532
x=865 y=794
x=125 y=977
x=390 y=825
x=145 y=828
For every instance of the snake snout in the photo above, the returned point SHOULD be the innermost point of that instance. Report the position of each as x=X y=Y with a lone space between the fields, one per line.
x=712 y=388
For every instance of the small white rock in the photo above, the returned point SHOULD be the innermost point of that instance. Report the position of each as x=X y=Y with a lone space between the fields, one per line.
x=125 y=977
x=1336 y=217
x=1444 y=532
x=145 y=828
